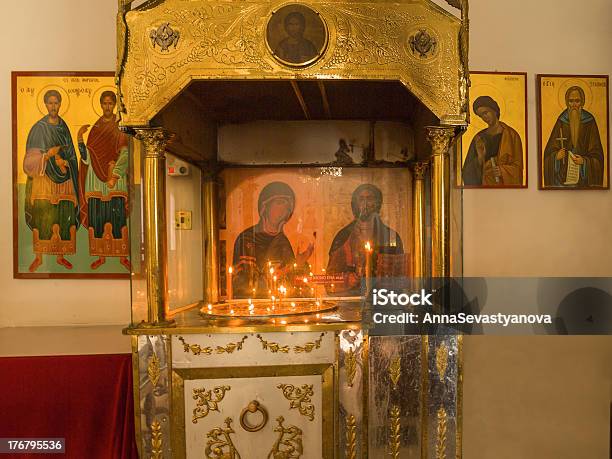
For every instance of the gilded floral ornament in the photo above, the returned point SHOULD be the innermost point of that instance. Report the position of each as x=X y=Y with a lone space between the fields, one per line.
x=207 y=401
x=350 y=363
x=395 y=433
x=153 y=370
x=196 y=349
x=422 y=44
x=288 y=445
x=220 y=444
x=156 y=440
x=441 y=435
x=299 y=398
x=165 y=37
x=351 y=438
x=442 y=360
x=395 y=370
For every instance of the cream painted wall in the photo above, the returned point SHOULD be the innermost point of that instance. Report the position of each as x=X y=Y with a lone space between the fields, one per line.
x=541 y=397
x=53 y=35
x=530 y=232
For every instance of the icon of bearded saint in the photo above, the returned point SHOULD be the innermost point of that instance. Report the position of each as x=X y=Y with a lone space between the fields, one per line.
x=575 y=138
x=347 y=253
x=265 y=245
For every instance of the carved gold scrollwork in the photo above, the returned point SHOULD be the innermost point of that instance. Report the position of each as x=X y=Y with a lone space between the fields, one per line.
x=442 y=360
x=288 y=445
x=395 y=370
x=309 y=347
x=220 y=445
x=153 y=370
x=419 y=169
x=155 y=140
x=440 y=139
x=299 y=398
x=196 y=349
x=394 y=433
x=207 y=400
x=156 y=441
x=441 y=435
x=350 y=363
x=272 y=346
x=351 y=438
x=276 y=347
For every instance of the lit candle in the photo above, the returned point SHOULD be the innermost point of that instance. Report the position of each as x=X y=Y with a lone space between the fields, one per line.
x=368 y=267
x=229 y=283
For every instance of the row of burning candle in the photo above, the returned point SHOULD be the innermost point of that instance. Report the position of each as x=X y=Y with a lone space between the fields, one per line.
x=282 y=290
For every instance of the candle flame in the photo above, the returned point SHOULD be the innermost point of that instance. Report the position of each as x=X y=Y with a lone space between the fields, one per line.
x=368 y=247
x=230 y=270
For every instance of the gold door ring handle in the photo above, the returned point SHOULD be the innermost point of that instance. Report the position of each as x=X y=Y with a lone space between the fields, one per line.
x=253 y=407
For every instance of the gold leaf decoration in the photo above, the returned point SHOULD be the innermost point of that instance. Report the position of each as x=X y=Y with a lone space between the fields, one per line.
x=309 y=347
x=442 y=360
x=288 y=445
x=299 y=398
x=196 y=349
x=156 y=441
x=153 y=369
x=441 y=435
x=350 y=363
x=208 y=400
x=351 y=438
x=395 y=369
x=272 y=346
x=220 y=444
x=394 y=433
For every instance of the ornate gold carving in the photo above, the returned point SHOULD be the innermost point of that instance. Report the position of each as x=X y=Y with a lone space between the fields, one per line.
x=350 y=362
x=299 y=398
x=156 y=441
x=351 y=438
x=423 y=44
x=276 y=347
x=272 y=346
x=395 y=370
x=288 y=445
x=196 y=349
x=165 y=37
x=310 y=346
x=420 y=169
x=442 y=360
x=208 y=400
x=440 y=138
x=155 y=140
x=441 y=435
x=253 y=407
x=220 y=445
x=394 y=433
x=153 y=370
x=227 y=40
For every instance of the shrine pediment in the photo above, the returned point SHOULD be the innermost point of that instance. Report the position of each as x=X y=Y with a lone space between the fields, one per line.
x=166 y=46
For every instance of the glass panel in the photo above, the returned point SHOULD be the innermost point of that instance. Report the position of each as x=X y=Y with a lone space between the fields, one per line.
x=139 y=277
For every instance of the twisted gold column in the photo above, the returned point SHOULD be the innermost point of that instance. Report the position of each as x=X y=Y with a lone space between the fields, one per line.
x=418 y=219
x=440 y=138
x=210 y=220
x=154 y=216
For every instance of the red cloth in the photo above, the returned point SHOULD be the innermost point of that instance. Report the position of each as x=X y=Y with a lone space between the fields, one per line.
x=87 y=399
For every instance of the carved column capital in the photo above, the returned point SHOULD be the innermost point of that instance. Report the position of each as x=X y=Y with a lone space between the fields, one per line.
x=419 y=169
x=440 y=138
x=155 y=140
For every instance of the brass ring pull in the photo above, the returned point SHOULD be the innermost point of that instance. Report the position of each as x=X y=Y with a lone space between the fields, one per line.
x=253 y=407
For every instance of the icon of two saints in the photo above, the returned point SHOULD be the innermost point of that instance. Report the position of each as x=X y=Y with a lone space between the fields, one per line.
x=265 y=244
x=64 y=193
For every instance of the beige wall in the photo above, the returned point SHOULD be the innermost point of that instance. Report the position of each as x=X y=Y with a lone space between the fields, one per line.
x=524 y=397
x=531 y=232
x=53 y=35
